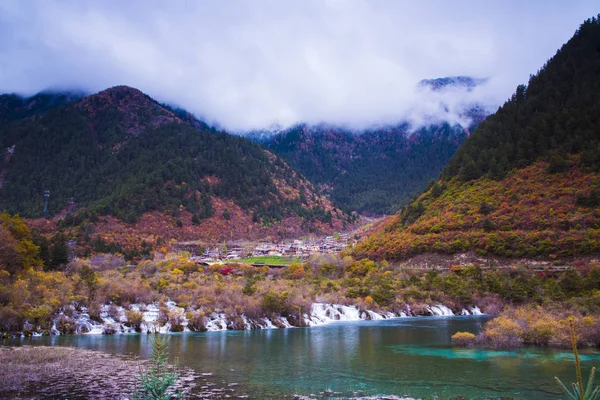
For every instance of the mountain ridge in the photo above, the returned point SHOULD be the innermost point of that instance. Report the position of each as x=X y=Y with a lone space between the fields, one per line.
x=459 y=81
x=373 y=171
x=525 y=183
x=352 y=175
x=120 y=153
x=14 y=107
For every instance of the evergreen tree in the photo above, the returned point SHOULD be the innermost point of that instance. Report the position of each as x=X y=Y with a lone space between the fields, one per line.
x=469 y=171
x=60 y=251
x=226 y=215
x=558 y=163
x=156 y=382
x=45 y=254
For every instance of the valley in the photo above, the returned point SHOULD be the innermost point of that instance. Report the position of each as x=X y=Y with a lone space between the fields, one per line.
x=268 y=252
x=446 y=251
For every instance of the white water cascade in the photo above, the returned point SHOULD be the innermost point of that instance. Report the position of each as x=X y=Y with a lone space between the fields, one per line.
x=440 y=310
x=113 y=319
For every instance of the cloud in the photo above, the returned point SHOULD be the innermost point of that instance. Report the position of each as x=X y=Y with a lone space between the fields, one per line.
x=249 y=64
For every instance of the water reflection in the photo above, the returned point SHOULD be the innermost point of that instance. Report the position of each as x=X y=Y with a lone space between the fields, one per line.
x=401 y=356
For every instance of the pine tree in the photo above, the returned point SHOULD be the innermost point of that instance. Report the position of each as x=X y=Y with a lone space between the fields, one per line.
x=226 y=215
x=60 y=252
x=156 y=383
x=45 y=255
x=469 y=170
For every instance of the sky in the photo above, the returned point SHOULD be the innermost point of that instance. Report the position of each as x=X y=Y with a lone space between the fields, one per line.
x=254 y=64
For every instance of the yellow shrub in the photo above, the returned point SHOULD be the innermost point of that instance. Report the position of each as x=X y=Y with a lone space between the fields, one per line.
x=540 y=332
x=503 y=332
x=295 y=271
x=463 y=338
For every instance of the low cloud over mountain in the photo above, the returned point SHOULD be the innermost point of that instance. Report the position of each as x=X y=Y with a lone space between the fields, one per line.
x=245 y=65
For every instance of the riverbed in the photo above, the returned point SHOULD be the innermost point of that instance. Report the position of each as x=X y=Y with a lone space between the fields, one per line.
x=402 y=356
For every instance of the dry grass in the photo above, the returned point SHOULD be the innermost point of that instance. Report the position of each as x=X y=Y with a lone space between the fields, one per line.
x=64 y=372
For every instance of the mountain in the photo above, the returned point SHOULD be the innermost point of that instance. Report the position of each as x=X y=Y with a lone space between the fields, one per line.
x=452 y=82
x=120 y=154
x=186 y=117
x=526 y=182
x=377 y=171
x=373 y=172
x=14 y=107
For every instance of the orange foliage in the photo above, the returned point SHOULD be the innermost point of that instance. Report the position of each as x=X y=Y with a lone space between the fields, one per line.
x=531 y=213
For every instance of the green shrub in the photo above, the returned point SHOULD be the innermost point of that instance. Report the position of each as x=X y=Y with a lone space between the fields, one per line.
x=384 y=294
x=274 y=303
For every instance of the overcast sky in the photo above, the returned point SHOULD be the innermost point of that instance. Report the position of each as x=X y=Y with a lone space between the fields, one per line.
x=249 y=64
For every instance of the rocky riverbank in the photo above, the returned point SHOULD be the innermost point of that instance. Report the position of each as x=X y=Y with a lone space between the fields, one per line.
x=64 y=372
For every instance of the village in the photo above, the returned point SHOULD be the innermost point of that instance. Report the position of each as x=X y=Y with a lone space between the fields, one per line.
x=296 y=248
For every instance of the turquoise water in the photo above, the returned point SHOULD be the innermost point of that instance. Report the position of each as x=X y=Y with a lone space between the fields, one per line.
x=410 y=356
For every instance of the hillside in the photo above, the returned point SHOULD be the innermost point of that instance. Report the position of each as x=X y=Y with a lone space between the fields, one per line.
x=526 y=182
x=378 y=170
x=375 y=171
x=14 y=107
x=119 y=153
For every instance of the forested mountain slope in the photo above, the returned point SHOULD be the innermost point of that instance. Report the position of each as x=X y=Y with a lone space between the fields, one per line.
x=14 y=107
x=526 y=182
x=120 y=153
x=373 y=172
x=378 y=170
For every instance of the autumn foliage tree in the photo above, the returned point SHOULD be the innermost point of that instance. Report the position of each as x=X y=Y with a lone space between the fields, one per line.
x=17 y=250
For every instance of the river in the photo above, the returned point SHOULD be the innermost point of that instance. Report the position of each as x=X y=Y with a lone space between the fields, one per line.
x=403 y=356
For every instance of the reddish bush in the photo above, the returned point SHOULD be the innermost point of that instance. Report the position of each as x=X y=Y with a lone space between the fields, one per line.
x=226 y=271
